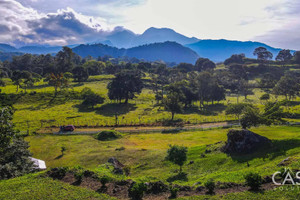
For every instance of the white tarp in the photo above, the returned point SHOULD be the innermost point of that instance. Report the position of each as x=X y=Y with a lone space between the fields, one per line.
x=39 y=164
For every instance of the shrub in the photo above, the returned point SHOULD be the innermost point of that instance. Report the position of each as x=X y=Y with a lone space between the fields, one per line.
x=136 y=191
x=171 y=131
x=253 y=180
x=210 y=186
x=177 y=155
x=174 y=192
x=104 y=180
x=108 y=135
x=58 y=173
x=265 y=96
x=126 y=170
x=78 y=173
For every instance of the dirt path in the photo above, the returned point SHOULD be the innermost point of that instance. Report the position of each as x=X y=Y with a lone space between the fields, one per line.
x=145 y=129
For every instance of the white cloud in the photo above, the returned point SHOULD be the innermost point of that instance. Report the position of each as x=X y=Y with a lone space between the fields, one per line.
x=24 y=25
x=276 y=22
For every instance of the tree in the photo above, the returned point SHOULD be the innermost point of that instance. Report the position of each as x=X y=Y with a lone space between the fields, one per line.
x=217 y=93
x=57 y=81
x=203 y=64
x=250 y=117
x=273 y=113
x=267 y=80
x=202 y=86
x=17 y=78
x=92 y=99
x=236 y=109
x=296 y=57
x=284 y=56
x=173 y=104
x=64 y=60
x=244 y=88
x=14 y=153
x=262 y=54
x=287 y=86
x=236 y=58
x=265 y=97
x=177 y=155
x=80 y=74
x=124 y=86
x=185 y=67
x=94 y=67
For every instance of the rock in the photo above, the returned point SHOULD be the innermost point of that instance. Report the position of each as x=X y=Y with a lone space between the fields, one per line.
x=267 y=179
x=200 y=188
x=207 y=151
x=285 y=162
x=191 y=162
x=197 y=183
x=157 y=187
x=244 y=142
x=118 y=167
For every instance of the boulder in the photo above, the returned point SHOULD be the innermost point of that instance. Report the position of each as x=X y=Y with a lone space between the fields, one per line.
x=285 y=162
x=244 y=142
x=118 y=166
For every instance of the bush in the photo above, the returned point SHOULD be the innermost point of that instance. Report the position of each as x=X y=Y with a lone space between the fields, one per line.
x=78 y=174
x=108 y=135
x=210 y=186
x=174 y=192
x=171 y=131
x=136 y=191
x=104 y=180
x=253 y=180
x=58 y=173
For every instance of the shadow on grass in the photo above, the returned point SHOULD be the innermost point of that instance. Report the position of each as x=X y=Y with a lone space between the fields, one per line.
x=108 y=110
x=208 y=110
x=178 y=177
x=111 y=109
x=59 y=157
x=278 y=148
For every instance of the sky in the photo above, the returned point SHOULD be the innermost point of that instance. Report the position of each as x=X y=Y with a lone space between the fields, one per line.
x=61 y=22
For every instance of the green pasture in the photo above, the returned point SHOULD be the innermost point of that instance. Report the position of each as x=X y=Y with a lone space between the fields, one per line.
x=40 y=110
x=145 y=154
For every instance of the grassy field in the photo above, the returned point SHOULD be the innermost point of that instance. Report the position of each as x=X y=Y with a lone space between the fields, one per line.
x=145 y=153
x=34 y=186
x=37 y=111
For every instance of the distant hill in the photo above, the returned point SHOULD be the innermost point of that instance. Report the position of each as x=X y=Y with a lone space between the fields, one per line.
x=7 y=48
x=220 y=50
x=8 y=55
x=167 y=51
x=124 y=38
x=39 y=49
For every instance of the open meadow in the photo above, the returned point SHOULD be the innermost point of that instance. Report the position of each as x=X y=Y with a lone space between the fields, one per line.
x=39 y=109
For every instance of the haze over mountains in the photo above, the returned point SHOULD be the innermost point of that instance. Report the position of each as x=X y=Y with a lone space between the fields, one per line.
x=153 y=45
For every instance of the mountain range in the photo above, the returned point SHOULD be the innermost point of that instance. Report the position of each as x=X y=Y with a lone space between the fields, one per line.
x=166 y=51
x=154 y=44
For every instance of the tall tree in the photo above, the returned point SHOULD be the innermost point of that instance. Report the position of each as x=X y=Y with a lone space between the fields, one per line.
x=262 y=54
x=203 y=64
x=64 y=60
x=172 y=103
x=287 y=86
x=177 y=155
x=284 y=56
x=125 y=85
x=80 y=74
x=58 y=81
x=14 y=154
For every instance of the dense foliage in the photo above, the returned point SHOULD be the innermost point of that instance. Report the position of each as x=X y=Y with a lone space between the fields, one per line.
x=14 y=154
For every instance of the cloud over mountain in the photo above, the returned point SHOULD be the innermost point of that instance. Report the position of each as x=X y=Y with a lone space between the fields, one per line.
x=24 y=25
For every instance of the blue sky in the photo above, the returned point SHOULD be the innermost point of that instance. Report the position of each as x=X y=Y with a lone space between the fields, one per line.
x=59 y=22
